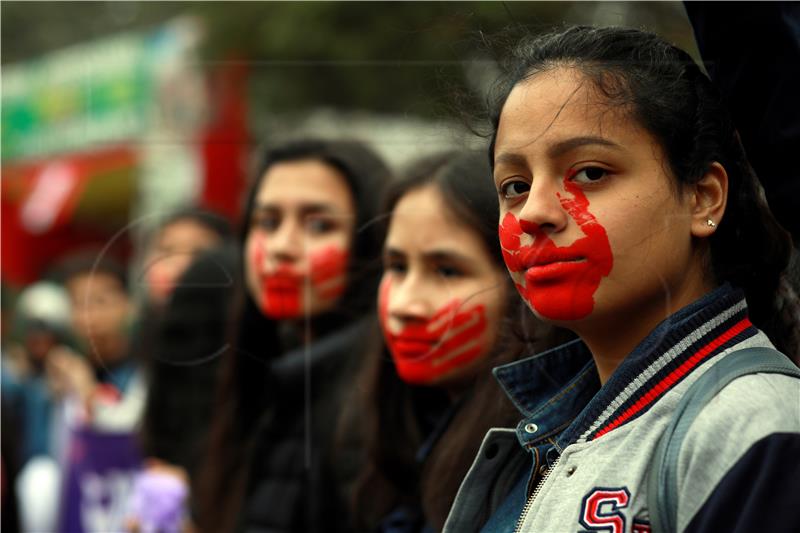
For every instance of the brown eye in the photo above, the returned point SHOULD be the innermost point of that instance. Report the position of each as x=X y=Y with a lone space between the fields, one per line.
x=589 y=175
x=514 y=189
x=265 y=222
x=394 y=265
x=318 y=225
x=447 y=271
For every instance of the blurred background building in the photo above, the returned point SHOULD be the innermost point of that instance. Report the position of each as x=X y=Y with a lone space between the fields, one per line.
x=115 y=112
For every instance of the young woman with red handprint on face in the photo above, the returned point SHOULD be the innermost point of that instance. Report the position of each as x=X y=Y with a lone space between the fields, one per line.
x=442 y=303
x=310 y=272
x=630 y=215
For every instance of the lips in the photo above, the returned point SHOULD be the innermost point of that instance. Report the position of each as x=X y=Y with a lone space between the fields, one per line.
x=539 y=256
x=282 y=283
x=411 y=348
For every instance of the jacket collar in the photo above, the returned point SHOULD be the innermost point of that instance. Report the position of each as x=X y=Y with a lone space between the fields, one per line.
x=559 y=394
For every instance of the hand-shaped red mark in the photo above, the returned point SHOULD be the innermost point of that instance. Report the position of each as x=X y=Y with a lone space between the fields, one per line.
x=560 y=282
x=426 y=350
x=282 y=289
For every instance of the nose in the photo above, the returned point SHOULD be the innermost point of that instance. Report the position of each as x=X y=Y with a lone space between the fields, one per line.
x=408 y=302
x=543 y=211
x=285 y=244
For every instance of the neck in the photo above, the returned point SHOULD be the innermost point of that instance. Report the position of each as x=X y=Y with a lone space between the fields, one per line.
x=613 y=338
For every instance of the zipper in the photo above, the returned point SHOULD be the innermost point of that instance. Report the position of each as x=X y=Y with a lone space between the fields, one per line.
x=529 y=503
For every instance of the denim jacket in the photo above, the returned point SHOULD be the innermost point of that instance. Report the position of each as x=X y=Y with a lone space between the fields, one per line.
x=583 y=451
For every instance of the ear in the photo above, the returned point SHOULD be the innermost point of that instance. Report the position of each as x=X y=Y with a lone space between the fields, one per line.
x=709 y=197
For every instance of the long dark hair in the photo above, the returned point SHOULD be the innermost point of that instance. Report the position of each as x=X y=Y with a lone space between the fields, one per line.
x=189 y=344
x=665 y=91
x=388 y=420
x=244 y=388
x=151 y=315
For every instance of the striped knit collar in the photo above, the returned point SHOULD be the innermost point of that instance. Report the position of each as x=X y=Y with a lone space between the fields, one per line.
x=666 y=357
x=663 y=359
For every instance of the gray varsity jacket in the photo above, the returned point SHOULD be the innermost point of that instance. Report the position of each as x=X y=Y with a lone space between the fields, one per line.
x=578 y=460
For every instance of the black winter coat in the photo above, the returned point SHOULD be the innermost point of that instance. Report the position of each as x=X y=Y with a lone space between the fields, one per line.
x=294 y=485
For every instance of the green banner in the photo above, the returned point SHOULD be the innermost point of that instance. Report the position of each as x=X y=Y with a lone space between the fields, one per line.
x=78 y=97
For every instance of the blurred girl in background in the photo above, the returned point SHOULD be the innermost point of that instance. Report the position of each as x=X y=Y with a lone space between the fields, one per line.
x=174 y=244
x=188 y=274
x=310 y=275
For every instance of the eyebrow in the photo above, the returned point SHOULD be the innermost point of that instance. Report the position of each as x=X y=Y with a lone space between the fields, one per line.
x=305 y=209
x=432 y=255
x=558 y=149
x=567 y=145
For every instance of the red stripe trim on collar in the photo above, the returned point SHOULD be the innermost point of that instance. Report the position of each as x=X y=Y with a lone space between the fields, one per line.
x=670 y=379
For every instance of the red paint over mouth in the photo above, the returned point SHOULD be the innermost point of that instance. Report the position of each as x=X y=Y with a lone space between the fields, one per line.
x=407 y=348
x=281 y=282
x=281 y=293
x=535 y=256
x=282 y=290
x=560 y=282
x=425 y=351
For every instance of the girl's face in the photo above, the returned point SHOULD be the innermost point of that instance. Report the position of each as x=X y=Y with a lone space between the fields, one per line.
x=591 y=225
x=441 y=297
x=298 y=244
x=174 y=248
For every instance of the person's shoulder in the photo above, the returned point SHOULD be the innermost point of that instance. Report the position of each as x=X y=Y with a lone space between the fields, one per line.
x=755 y=403
x=751 y=427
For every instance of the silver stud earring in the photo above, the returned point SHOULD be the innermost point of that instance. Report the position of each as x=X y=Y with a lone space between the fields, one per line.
x=710 y=223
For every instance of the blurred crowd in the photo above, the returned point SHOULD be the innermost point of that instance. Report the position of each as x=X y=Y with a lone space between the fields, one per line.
x=77 y=360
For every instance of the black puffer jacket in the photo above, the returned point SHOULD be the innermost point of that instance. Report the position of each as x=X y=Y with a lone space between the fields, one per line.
x=294 y=485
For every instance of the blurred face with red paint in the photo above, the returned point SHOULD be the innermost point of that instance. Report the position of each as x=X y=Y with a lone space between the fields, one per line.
x=592 y=227
x=297 y=247
x=172 y=251
x=442 y=296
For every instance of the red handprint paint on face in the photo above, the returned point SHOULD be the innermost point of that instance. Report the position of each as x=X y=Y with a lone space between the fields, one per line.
x=560 y=282
x=328 y=270
x=282 y=290
x=426 y=351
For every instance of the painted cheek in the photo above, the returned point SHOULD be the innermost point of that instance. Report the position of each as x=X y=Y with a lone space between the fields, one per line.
x=328 y=269
x=425 y=352
x=509 y=233
x=159 y=283
x=384 y=291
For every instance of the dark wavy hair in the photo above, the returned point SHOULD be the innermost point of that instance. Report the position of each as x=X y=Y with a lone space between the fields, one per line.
x=664 y=90
x=244 y=389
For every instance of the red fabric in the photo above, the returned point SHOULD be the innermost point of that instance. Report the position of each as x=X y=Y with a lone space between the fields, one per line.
x=26 y=253
x=224 y=144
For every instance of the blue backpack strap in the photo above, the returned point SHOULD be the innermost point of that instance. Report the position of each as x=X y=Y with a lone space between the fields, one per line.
x=662 y=484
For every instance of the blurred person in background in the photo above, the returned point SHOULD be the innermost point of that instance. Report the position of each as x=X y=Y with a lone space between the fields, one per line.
x=428 y=395
x=42 y=322
x=310 y=272
x=188 y=340
x=177 y=241
x=104 y=392
x=102 y=373
x=31 y=443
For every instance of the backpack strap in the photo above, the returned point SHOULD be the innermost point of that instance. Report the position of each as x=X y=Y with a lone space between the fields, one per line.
x=662 y=484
